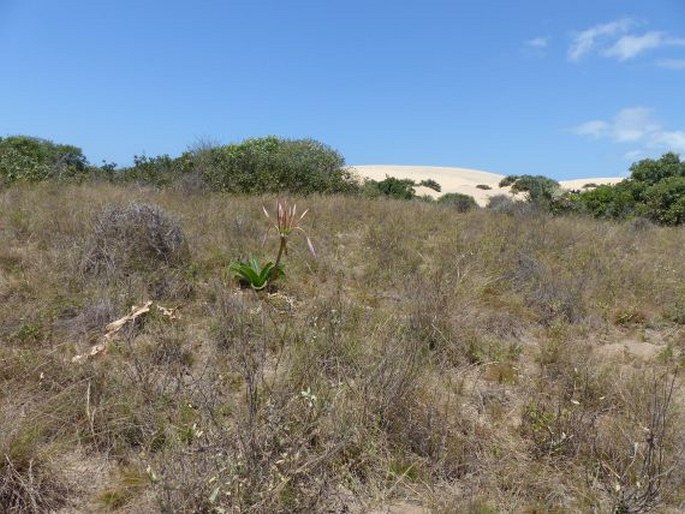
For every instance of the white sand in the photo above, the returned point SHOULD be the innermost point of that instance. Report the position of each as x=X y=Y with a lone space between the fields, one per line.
x=460 y=180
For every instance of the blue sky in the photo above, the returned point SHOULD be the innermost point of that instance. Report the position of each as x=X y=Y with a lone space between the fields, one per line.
x=561 y=88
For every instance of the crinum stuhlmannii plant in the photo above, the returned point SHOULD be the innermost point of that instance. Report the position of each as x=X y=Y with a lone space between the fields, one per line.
x=285 y=222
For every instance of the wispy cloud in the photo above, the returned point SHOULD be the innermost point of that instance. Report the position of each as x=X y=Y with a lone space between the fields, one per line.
x=618 y=40
x=633 y=155
x=629 y=46
x=671 y=64
x=674 y=140
x=538 y=42
x=595 y=129
x=586 y=41
x=634 y=125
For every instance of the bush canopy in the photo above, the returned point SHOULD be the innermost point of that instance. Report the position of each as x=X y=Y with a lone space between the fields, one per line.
x=272 y=165
x=31 y=159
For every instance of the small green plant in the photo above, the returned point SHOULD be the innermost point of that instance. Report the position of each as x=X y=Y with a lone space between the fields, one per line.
x=254 y=275
x=285 y=222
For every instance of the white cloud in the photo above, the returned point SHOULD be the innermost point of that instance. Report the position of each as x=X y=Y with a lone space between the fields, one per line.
x=633 y=155
x=617 y=40
x=585 y=42
x=595 y=129
x=629 y=46
x=674 y=140
x=634 y=125
x=671 y=64
x=538 y=42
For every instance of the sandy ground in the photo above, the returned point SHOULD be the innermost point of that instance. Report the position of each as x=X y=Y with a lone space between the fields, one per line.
x=461 y=180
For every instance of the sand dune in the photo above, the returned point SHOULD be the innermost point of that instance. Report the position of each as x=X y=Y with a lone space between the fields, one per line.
x=461 y=180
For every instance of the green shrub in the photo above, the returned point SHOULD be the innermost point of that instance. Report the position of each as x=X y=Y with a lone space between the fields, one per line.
x=398 y=188
x=160 y=171
x=665 y=201
x=391 y=187
x=431 y=184
x=30 y=159
x=650 y=171
x=656 y=191
x=508 y=180
x=539 y=190
x=458 y=201
x=613 y=202
x=272 y=165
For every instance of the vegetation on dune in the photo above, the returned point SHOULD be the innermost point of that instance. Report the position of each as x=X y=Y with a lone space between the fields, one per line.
x=28 y=159
x=538 y=190
x=272 y=165
x=497 y=363
x=396 y=188
x=518 y=358
x=458 y=201
x=655 y=190
x=254 y=166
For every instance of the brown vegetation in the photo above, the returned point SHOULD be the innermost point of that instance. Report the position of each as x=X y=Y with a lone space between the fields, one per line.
x=462 y=362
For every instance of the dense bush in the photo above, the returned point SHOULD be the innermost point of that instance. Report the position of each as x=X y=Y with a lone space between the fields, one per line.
x=612 y=202
x=538 y=190
x=271 y=165
x=458 y=201
x=160 y=171
x=391 y=187
x=655 y=190
x=650 y=171
x=397 y=188
x=254 y=166
x=30 y=159
x=665 y=201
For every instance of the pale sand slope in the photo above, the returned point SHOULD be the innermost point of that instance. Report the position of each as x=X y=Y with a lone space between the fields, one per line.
x=460 y=180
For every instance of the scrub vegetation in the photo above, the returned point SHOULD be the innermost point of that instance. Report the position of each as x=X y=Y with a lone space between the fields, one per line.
x=493 y=360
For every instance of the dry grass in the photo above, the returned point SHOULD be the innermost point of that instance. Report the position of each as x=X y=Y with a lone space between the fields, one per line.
x=460 y=362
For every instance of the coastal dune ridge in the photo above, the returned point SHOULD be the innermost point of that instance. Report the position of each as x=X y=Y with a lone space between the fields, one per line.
x=460 y=180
